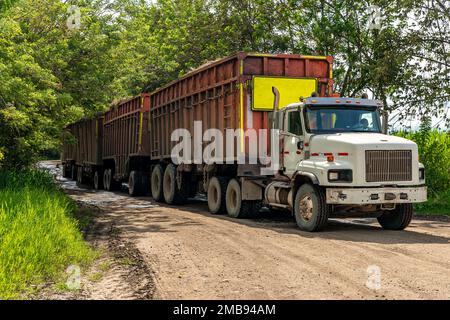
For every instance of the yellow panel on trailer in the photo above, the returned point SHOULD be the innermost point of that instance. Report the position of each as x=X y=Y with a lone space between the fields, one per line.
x=291 y=89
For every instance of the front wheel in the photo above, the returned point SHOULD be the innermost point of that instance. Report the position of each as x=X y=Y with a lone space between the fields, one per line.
x=397 y=219
x=310 y=208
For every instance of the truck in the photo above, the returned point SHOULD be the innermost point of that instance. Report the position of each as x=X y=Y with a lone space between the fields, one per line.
x=337 y=162
x=318 y=155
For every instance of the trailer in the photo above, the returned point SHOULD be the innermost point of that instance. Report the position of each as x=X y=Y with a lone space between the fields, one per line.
x=126 y=147
x=82 y=149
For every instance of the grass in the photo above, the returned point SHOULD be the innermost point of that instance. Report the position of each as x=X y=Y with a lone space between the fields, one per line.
x=437 y=204
x=39 y=236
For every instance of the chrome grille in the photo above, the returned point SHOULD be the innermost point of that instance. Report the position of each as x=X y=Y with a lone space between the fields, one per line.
x=388 y=165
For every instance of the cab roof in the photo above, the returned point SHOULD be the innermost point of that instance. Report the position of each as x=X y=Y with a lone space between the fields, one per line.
x=342 y=101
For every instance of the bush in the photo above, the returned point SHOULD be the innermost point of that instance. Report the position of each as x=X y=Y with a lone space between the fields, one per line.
x=434 y=153
x=39 y=236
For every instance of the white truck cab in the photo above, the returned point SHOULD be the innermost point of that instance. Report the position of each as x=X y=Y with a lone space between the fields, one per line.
x=335 y=161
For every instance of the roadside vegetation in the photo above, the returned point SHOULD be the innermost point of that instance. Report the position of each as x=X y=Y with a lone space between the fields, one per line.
x=54 y=73
x=434 y=153
x=39 y=236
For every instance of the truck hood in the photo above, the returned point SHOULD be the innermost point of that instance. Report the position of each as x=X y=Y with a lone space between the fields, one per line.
x=338 y=142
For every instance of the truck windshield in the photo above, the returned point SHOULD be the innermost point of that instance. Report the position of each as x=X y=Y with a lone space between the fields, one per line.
x=323 y=119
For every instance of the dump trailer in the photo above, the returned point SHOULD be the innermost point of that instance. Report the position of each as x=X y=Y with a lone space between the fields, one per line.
x=126 y=147
x=82 y=149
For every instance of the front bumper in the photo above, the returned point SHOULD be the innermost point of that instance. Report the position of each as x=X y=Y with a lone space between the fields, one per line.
x=362 y=196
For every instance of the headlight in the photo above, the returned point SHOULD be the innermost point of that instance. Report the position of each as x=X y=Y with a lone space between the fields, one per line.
x=340 y=175
x=421 y=173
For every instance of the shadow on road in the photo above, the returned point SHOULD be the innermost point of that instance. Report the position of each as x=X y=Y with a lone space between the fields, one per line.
x=149 y=216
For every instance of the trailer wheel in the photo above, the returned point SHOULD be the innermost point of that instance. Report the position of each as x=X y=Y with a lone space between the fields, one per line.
x=65 y=171
x=98 y=179
x=172 y=194
x=109 y=182
x=73 y=172
x=310 y=208
x=114 y=185
x=136 y=184
x=217 y=189
x=80 y=177
x=157 y=183
x=236 y=207
x=106 y=180
x=397 y=219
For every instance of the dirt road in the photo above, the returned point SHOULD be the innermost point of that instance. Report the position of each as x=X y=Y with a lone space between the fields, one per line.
x=196 y=255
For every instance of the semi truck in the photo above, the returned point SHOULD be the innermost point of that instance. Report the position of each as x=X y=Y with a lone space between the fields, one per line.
x=332 y=158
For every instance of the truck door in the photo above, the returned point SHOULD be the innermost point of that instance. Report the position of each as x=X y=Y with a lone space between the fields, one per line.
x=291 y=135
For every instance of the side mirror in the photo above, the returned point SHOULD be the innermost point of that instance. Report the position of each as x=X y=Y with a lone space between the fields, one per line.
x=300 y=145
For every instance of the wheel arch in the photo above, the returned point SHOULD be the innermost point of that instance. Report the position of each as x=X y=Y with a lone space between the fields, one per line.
x=301 y=178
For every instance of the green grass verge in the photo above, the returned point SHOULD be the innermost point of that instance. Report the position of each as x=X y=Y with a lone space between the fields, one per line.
x=437 y=204
x=39 y=236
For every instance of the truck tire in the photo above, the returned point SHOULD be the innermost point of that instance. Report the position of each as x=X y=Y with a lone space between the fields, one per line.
x=106 y=179
x=157 y=183
x=173 y=194
x=310 y=208
x=98 y=180
x=397 y=219
x=236 y=207
x=134 y=181
x=80 y=177
x=137 y=185
x=217 y=189
x=65 y=171
x=114 y=185
x=73 y=173
x=109 y=182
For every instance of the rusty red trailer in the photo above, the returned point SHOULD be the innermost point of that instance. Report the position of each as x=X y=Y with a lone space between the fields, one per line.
x=234 y=92
x=126 y=147
x=82 y=151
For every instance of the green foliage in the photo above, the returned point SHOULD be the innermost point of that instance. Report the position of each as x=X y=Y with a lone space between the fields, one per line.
x=434 y=153
x=437 y=204
x=38 y=235
x=51 y=76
